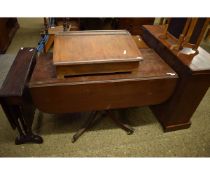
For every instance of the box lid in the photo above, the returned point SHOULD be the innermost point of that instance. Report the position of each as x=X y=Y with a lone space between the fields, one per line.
x=89 y=47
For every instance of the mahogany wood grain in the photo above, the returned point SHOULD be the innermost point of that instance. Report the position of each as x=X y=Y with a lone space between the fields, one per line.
x=139 y=42
x=149 y=84
x=18 y=74
x=93 y=50
x=153 y=66
x=194 y=81
x=14 y=95
x=97 y=68
x=133 y=25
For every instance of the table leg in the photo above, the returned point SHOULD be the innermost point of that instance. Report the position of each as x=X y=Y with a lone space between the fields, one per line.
x=92 y=119
x=86 y=125
x=15 y=116
x=118 y=121
x=28 y=136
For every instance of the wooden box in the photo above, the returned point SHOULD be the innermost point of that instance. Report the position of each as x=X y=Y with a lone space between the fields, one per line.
x=94 y=52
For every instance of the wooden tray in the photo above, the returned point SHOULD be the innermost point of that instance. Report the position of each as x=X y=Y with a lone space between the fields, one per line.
x=93 y=52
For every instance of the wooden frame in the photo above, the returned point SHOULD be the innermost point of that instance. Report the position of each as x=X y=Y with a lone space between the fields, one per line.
x=196 y=32
x=176 y=37
x=67 y=25
x=189 y=36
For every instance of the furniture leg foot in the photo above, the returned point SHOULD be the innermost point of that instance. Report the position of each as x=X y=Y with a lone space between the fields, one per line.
x=78 y=134
x=129 y=130
x=86 y=125
x=122 y=125
x=29 y=138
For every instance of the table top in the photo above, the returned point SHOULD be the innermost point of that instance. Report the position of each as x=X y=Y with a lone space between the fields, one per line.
x=152 y=67
x=89 y=47
x=17 y=76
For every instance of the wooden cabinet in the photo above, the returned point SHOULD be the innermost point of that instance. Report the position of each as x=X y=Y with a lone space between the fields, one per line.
x=194 y=81
x=8 y=27
x=133 y=25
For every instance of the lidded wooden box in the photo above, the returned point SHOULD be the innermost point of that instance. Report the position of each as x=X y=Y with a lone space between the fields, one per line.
x=95 y=52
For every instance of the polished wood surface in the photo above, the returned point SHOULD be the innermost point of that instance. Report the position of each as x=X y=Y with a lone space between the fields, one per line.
x=194 y=81
x=152 y=83
x=88 y=48
x=153 y=66
x=15 y=98
x=133 y=25
x=14 y=83
x=94 y=47
x=14 y=95
x=139 y=42
x=97 y=68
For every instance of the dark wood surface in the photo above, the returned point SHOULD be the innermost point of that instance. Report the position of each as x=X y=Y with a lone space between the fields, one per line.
x=133 y=25
x=194 y=81
x=88 y=52
x=89 y=47
x=14 y=96
x=151 y=83
x=152 y=66
x=139 y=42
x=18 y=74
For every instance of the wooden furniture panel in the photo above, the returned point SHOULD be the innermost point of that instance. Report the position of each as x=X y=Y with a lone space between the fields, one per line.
x=152 y=83
x=15 y=99
x=139 y=42
x=102 y=95
x=95 y=52
x=59 y=25
x=194 y=81
x=186 y=33
x=153 y=66
x=14 y=87
x=133 y=25
x=95 y=46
